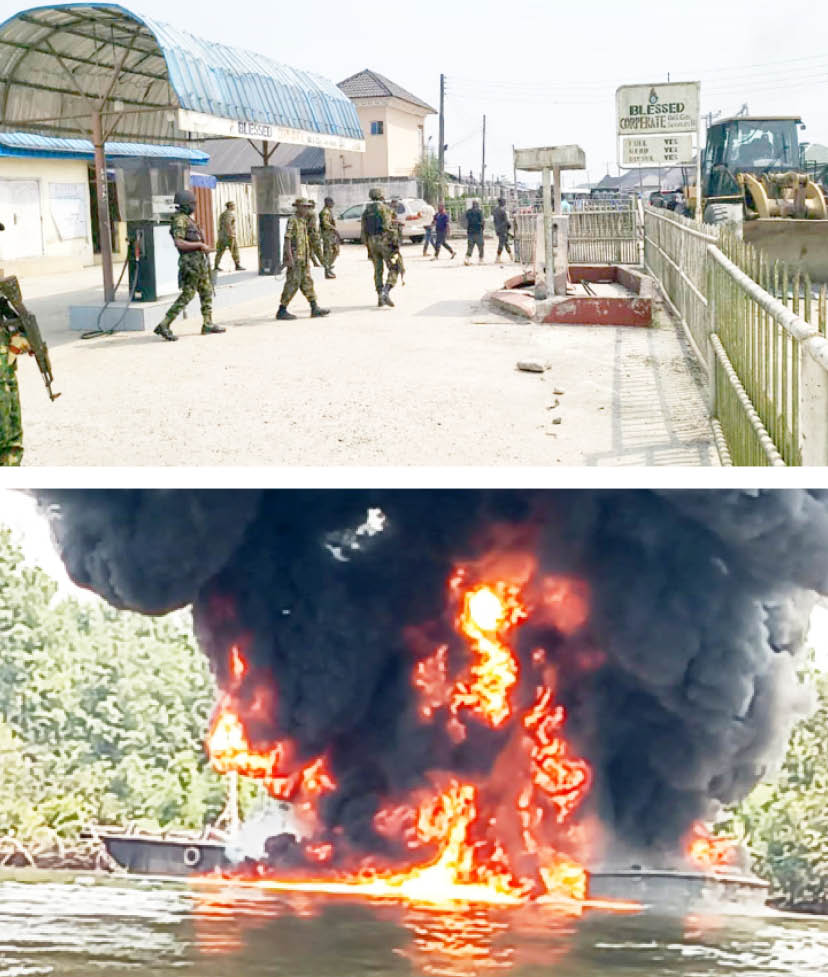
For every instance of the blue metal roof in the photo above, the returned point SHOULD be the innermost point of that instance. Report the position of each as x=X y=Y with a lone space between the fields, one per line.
x=164 y=68
x=52 y=147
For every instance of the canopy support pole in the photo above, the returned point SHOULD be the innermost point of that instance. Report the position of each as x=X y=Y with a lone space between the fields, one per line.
x=102 y=194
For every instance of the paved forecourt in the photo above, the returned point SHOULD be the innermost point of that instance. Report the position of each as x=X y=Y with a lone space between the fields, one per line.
x=430 y=382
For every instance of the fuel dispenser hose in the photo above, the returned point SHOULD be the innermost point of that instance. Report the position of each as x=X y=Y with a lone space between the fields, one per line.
x=97 y=331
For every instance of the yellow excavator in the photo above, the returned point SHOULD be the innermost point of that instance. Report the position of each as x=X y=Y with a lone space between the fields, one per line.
x=752 y=176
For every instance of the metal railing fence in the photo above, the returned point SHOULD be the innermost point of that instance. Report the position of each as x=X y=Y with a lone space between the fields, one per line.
x=759 y=331
x=604 y=233
x=675 y=253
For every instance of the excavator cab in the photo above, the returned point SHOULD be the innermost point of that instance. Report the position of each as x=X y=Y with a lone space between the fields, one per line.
x=747 y=145
x=752 y=177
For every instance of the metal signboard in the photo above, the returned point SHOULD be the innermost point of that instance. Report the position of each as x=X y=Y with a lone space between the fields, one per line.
x=657 y=109
x=205 y=126
x=674 y=150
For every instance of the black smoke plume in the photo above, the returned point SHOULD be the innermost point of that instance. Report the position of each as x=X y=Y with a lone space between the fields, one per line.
x=699 y=604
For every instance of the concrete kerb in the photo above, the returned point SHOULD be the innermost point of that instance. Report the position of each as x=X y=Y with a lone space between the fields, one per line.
x=231 y=288
x=587 y=309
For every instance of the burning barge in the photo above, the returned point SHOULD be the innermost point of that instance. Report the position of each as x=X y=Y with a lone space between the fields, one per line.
x=487 y=749
x=206 y=859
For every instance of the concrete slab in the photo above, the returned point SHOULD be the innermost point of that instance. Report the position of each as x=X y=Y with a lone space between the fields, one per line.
x=570 y=157
x=516 y=303
x=138 y=317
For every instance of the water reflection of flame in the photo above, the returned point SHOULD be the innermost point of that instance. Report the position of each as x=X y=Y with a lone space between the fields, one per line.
x=460 y=943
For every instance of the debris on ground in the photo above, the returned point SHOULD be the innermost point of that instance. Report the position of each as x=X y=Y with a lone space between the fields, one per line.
x=532 y=366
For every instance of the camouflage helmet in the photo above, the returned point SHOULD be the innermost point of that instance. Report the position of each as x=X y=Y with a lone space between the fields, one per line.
x=299 y=203
x=376 y=193
x=185 y=200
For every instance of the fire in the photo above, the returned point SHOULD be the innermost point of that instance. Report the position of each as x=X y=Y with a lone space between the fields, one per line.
x=563 y=780
x=488 y=614
x=230 y=751
x=238 y=666
x=497 y=842
x=711 y=853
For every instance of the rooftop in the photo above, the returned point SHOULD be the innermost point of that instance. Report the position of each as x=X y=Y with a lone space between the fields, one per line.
x=371 y=84
x=30 y=145
x=161 y=83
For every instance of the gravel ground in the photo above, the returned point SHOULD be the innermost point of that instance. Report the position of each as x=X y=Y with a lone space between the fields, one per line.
x=432 y=382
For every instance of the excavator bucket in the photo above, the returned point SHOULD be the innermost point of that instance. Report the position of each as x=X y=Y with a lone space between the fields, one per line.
x=798 y=242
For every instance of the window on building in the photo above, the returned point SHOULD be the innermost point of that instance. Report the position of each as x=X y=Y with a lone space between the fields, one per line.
x=376 y=128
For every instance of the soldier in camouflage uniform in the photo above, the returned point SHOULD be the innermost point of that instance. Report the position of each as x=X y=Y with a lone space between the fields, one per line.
x=227 y=236
x=12 y=343
x=193 y=269
x=314 y=238
x=297 y=257
x=380 y=234
x=330 y=237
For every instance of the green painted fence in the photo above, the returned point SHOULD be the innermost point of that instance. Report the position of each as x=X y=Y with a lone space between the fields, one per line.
x=759 y=331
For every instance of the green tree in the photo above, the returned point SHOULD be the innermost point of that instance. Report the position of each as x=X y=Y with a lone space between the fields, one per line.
x=427 y=172
x=103 y=713
x=785 y=824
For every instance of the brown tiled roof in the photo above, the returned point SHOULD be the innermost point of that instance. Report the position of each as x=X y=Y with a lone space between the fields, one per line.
x=371 y=84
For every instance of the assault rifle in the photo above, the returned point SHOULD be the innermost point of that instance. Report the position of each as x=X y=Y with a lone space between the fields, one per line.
x=13 y=311
x=396 y=254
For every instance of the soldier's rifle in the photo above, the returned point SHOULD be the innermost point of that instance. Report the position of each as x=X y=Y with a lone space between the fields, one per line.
x=396 y=238
x=12 y=310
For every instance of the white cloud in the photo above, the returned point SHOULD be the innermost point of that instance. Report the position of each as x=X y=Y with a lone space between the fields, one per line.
x=19 y=512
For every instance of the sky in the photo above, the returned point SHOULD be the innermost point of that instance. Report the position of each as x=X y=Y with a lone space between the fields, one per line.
x=542 y=73
x=19 y=513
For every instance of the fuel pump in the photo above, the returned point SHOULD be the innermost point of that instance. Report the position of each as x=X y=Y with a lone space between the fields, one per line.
x=146 y=189
x=275 y=189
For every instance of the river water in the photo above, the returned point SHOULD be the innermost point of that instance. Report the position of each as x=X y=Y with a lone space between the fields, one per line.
x=134 y=928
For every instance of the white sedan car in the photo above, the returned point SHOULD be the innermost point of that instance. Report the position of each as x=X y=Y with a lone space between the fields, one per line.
x=409 y=212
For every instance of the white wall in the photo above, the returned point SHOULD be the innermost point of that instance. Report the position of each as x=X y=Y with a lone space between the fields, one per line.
x=38 y=234
x=395 y=153
x=405 y=147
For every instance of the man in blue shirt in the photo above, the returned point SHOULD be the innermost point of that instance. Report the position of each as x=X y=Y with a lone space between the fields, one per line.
x=441 y=233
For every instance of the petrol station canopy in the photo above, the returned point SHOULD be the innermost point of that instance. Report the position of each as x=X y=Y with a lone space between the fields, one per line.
x=148 y=81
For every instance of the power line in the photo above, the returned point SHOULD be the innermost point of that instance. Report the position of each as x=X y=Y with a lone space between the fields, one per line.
x=592 y=92
x=597 y=83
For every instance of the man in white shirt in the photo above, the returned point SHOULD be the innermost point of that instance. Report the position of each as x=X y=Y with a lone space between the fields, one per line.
x=427 y=212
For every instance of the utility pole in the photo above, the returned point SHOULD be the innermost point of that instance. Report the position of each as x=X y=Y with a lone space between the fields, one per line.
x=441 y=156
x=514 y=173
x=483 y=167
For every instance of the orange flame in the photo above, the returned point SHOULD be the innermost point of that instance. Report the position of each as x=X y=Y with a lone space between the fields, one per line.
x=711 y=853
x=488 y=614
x=230 y=751
x=470 y=860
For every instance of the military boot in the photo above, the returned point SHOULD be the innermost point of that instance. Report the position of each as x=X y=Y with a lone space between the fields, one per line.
x=210 y=327
x=329 y=273
x=239 y=268
x=284 y=314
x=164 y=331
x=380 y=300
x=317 y=313
x=386 y=297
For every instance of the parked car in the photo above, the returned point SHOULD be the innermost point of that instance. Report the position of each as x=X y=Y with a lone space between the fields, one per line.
x=409 y=212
